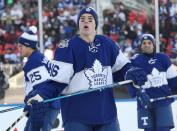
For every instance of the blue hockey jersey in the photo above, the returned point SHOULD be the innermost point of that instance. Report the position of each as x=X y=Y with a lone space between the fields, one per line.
x=35 y=71
x=89 y=65
x=161 y=74
x=37 y=77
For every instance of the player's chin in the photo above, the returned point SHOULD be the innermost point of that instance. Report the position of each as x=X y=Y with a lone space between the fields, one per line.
x=87 y=32
x=147 y=52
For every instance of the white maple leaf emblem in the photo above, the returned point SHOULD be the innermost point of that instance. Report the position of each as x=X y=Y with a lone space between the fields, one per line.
x=97 y=75
x=156 y=79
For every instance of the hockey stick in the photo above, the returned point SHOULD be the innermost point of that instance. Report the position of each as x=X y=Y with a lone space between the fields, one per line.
x=57 y=121
x=16 y=121
x=162 y=98
x=13 y=108
x=118 y=84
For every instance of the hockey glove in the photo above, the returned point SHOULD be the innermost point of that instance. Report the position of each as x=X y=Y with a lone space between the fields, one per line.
x=143 y=98
x=37 y=114
x=137 y=75
x=34 y=95
x=36 y=109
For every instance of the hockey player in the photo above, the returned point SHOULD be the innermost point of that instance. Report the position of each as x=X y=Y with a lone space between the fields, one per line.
x=92 y=61
x=162 y=78
x=40 y=115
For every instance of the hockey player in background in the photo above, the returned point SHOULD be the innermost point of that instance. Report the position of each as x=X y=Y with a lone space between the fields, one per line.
x=162 y=79
x=40 y=115
x=92 y=61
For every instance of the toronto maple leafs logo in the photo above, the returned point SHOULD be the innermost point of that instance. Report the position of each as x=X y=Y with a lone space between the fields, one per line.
x=93 y=47
x=145 y=37
x=97 y=75
x=63 y=43
x=156 y=79
x=152 y=61
x=88 y=9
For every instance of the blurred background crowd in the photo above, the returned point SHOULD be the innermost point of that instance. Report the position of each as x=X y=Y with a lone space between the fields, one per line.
x=123 y=24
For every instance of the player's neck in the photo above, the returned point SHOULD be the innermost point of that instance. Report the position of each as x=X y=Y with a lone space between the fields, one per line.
x=88 y=38
x=30 y=52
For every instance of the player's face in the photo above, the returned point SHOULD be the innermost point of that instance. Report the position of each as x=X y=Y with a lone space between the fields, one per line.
x=23 y=50
x=87 y=24
x=147 y=47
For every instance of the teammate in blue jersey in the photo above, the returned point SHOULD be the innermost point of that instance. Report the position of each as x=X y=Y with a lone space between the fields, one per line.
x=40 y=115
x=89 y=61
x=162 y=78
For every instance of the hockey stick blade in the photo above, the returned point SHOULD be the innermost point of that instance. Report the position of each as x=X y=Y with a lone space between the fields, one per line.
x=13 y=108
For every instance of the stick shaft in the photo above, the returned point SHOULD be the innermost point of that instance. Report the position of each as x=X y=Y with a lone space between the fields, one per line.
x=16 y=121
x=118 y=84
x=11 y=109
x=162 y=98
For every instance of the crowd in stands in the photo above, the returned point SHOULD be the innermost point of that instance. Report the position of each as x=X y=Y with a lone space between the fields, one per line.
x=126 y=26
x=59 y=22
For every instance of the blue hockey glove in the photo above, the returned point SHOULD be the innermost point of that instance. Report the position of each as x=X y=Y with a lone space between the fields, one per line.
x=137 y=75
x=33 y=95
x=37 y=113
x=36 y=109
x=143 y=98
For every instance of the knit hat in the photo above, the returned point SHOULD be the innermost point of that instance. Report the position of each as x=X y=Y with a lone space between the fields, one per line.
x=147 y=37
x=88 y=10
x=29 y=38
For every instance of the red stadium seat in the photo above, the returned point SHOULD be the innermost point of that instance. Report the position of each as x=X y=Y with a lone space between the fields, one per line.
x=1 y=50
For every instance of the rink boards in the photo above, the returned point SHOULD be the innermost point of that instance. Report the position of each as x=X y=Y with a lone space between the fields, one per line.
x=126 y=115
